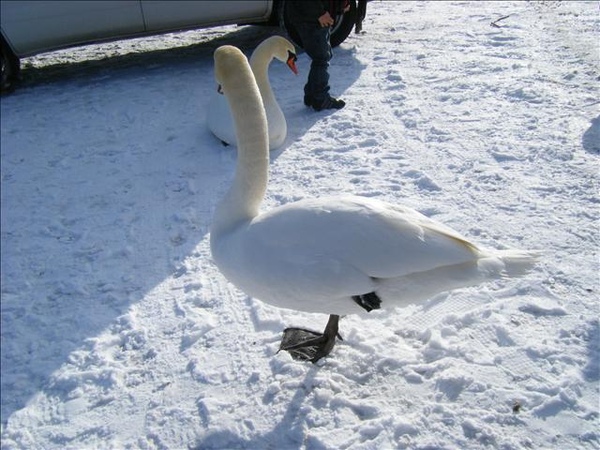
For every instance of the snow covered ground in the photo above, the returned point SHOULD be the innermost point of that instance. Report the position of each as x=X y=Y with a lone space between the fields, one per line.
x=118 y=332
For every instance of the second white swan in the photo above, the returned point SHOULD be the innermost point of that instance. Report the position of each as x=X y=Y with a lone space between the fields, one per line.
x=219 y=118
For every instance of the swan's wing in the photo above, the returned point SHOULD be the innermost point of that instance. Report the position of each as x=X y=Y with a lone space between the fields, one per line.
x=341 y=244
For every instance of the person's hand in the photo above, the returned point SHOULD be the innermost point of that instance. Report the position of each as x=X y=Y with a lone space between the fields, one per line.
x=325 y=20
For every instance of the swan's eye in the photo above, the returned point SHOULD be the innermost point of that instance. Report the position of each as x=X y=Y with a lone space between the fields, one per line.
x=220 y=89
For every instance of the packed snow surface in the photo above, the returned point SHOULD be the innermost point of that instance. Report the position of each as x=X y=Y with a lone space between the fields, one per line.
x=118 y=331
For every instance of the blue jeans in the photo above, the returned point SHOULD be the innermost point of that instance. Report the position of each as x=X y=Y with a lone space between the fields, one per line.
x=315 y=40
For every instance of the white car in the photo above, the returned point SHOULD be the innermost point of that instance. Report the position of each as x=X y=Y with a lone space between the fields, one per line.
x=31 y=27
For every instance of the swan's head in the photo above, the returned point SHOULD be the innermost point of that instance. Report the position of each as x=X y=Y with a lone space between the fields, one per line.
x=277 y=47
x=231 y=66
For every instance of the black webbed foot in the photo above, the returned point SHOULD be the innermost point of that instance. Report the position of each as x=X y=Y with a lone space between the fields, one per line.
x=307 y=345
x=302 y=344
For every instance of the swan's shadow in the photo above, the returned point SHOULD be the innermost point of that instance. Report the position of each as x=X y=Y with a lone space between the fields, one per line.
x=98 y=214
x=93 y=247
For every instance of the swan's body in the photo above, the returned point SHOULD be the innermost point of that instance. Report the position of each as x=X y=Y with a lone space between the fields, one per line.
x=219 y=119
x=334 y=255
x=316 y=255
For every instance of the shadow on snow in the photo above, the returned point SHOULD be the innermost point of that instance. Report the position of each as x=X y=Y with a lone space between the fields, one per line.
x=108 y=204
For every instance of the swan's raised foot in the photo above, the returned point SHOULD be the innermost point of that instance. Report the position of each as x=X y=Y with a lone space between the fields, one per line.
x=369 y=301
x=308 y=345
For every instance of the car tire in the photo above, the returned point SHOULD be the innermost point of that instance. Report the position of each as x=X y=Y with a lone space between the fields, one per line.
x=10 y=68
x=341 y=29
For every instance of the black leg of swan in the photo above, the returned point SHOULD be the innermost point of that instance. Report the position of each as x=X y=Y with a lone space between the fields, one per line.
x=368 y=301
x=307 y=345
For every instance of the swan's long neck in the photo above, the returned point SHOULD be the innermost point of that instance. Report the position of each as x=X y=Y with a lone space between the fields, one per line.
x=259 y=61
x=242 y=201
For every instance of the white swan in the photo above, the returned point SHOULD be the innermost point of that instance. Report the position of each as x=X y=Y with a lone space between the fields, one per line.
x=333 y=255
x=219 y=118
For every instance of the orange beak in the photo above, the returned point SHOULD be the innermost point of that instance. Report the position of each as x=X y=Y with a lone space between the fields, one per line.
x=291 y=62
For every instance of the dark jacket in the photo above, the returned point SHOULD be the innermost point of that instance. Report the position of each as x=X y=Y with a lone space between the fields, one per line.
x=309 y=11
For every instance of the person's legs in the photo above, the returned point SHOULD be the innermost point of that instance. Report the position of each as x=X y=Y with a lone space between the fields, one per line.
x=316 y=44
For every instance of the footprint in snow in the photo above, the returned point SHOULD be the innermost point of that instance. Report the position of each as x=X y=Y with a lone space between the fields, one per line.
x=422 y=181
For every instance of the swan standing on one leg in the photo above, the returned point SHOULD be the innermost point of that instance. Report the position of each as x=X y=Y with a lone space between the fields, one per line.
x=333 y=255
x=219 y=118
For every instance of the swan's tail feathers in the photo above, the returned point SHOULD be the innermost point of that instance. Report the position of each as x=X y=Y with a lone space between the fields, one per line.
x=517 y=263
x=419 y=286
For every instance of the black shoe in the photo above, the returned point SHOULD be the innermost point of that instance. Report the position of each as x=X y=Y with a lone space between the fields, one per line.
x=329 y=103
